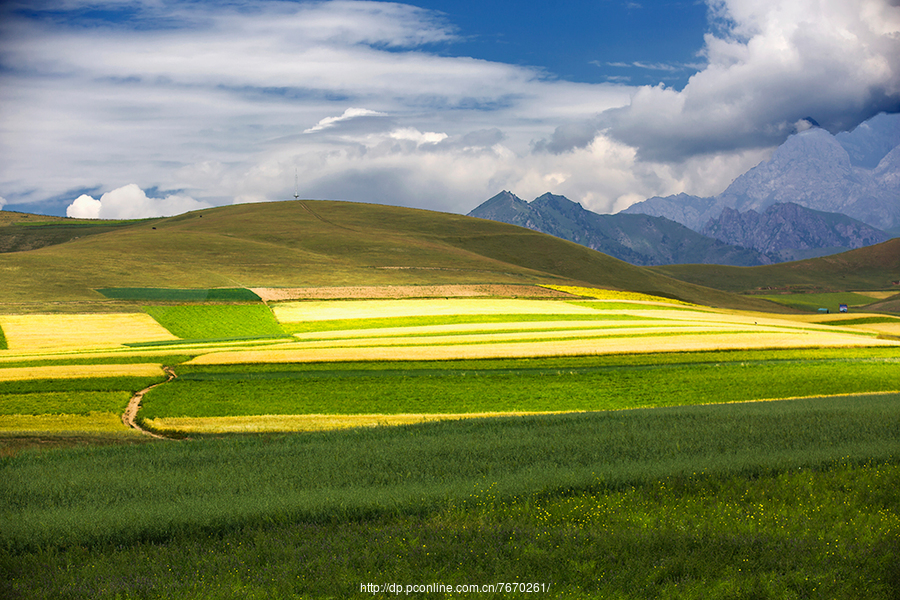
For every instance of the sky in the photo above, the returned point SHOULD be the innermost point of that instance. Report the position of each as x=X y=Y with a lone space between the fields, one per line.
x=139 y=108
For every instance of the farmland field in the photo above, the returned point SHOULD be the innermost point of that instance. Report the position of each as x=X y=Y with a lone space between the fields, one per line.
x=669 y=502
x=217 y=321
x=609 y=445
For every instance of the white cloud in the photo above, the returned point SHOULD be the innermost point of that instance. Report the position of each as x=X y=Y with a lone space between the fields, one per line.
x=84 y=207
x=131 y=202
x=770 y=64
x=227 y=100
x=350 y=113
x=2 y=202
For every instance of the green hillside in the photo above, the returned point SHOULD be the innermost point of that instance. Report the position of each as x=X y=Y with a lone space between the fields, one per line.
x=871 y=268
x=318 y=243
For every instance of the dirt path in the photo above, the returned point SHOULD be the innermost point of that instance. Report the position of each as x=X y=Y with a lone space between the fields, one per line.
x=128 y=417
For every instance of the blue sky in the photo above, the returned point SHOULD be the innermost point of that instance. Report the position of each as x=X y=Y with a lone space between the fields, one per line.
x=122 y=108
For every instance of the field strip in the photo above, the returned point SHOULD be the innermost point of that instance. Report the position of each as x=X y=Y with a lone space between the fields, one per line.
x=79 y=331
x=406 y=291
x=328 y=422
x=102 y=422
x=550 y=348
x=278 y=423
x=294 y=312
x=496 y=338
x=81 y=371
x=457 y=328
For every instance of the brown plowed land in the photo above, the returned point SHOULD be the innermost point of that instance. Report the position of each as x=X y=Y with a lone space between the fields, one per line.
x=408 y=291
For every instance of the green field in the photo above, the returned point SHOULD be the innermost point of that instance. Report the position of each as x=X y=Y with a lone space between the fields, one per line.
x=537 y=385
x=814 y=302
x=181 y=295
x=553 y=474
x=211 y=321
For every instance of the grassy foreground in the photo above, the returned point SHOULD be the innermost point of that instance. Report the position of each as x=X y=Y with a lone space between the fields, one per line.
x=778 y=499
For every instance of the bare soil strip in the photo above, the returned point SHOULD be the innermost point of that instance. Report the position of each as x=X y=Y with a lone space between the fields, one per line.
x=128 y=417
x=407 y=291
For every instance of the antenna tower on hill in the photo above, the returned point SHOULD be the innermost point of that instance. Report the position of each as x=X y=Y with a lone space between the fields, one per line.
x=296 y=186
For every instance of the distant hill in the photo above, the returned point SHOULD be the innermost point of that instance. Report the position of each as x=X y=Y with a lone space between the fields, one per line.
x=314 y=244
x=792 y=232
x=637 y=239
x=871 y=268
x=856 y=174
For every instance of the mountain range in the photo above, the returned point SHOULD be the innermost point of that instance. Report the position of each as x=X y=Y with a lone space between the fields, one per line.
x=638 y=239
x=819 y=194
x=856 y=174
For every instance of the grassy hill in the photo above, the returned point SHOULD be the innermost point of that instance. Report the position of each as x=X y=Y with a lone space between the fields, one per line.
x=871 y=268
x=318 y=243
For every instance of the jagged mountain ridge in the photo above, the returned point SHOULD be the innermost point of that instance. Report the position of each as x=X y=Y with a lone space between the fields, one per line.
x=792 y=232
x=856 y=174
x=638 y=239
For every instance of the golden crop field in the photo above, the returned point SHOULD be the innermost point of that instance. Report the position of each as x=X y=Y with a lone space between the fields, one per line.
x=79 y=331
x=293 y=312
x=98 y=422
x=280 y=423
x=678 y=342
x=80 y=371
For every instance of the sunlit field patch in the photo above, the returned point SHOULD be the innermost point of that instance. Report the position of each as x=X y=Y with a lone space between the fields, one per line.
x=96 y=422
x=79 y=331
x=80 y=371
x=208 y=321
x=674 y=342
x=286 y=423
x=289 y=312
x=602 y=294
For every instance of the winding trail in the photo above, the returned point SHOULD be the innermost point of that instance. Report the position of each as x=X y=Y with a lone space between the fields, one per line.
x=128 y=417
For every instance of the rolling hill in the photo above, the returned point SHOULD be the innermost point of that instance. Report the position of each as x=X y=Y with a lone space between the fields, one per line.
x=318 y=243
x=871 y=268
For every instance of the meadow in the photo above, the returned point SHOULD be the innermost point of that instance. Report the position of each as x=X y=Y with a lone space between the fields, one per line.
x=610 y=445
x=778 y=499
x=529 y=385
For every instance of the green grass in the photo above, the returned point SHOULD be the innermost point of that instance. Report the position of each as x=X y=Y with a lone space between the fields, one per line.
x=226 y=321
x=861 y=321
x=131 y=494
x=124 y=359
x=78 y=384
x=181 y=295
x=798 y=533
x=69 y=402
x=575 y=384
x=814 y=302
x=293 y=244
x=2 y=340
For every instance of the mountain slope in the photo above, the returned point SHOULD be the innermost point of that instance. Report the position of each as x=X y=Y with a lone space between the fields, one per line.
x=857 y=175
x=637 y=239
x=319 y=243
x=871 y=268
x=792 y=232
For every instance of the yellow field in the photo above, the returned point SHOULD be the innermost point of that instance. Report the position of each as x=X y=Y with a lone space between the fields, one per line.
x=277 y=423
x=85 y=331
x=686 y=342
x=602 y=294
x=99 y=422
x=80 y=371
x=295 y=312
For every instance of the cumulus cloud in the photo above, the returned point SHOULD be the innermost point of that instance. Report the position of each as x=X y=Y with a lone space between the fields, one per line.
x=226 y=101
x=770 y=64
x=2 y=202
x=130 y=202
